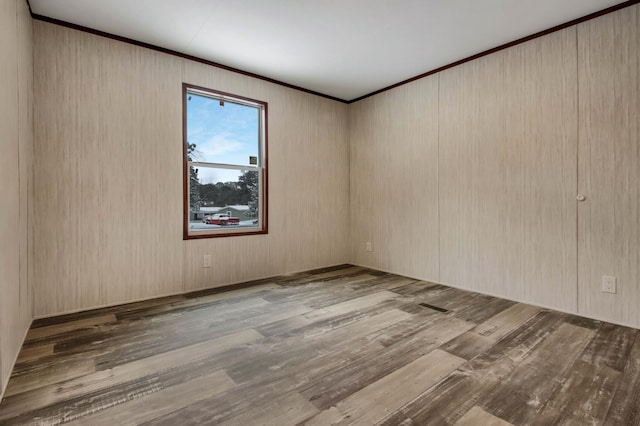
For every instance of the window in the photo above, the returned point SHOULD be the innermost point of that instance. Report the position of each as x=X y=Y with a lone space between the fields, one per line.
x=225 y=164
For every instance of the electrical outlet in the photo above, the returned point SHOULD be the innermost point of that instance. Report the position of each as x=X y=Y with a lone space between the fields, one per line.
x=608 y=284
x=206 y=263
x=369 y=247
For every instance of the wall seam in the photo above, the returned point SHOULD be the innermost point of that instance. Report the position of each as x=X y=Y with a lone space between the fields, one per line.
x=18 y=140
x=577 y=171
x=350 y=244
x=31 y=185
x=438 y=189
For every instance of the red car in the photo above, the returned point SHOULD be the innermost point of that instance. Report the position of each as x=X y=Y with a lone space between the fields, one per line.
x=222 y=219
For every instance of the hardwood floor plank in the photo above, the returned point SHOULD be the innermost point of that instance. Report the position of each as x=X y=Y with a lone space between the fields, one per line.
x=229 y=404
x=322 y=299
x=477 y=416
x=588 y=387
x=82 y=406
x=342 y=382
x=106 y=338
x=525 y=391
x=216 y=294
x=94 y=381
x=487 y=333
x=351 y=305
x=331 y=311
x=328 y=275
x=261 y=386
x=158 y=404
x=52 y=330
x=192 y=309
x=314 y=293
x=283 y=353
x=376 y=401
x=200 y=302
x=422 y=319
x=449 y=298
x=62 y=319
x=289 y=409
x=468 y=345
x=506 y=321
x=273 y=379
x=625 y=405
x=39 y=366
x=48 y=376
x=315 y=368
x=611 y=346
x=586 y=394
x=194 y=331
x=414 y=287
x=286 y=325
x=463 y=389
x=384 y=282
x=34 y=353
x=483 y=309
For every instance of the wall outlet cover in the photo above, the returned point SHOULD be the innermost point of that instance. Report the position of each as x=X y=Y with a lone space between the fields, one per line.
x=609 y=284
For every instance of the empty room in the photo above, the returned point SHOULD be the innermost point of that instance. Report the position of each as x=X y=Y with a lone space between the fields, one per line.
x=418 y=212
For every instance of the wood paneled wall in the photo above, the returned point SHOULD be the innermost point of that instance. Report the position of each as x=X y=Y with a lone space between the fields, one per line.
x=609 y=159
x=507 y=173
x=108 y=170
x=467 y=177
x=394 y=180
x=16 y=150
x=511 y=129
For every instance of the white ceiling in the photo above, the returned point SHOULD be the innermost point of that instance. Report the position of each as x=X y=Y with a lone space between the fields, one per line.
x=341 y=48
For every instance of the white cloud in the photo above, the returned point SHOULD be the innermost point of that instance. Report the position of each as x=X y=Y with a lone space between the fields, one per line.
x=208 y=175
x=218 y=145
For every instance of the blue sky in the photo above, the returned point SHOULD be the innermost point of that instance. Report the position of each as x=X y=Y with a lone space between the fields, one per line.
x=223 y=134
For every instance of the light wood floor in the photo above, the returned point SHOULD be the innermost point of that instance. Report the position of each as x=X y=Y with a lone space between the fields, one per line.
x=343 y=345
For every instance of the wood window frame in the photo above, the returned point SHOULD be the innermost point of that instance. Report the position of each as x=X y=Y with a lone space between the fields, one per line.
x=262 y=166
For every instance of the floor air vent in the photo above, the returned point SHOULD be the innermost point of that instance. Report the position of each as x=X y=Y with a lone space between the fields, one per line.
x=435 y=308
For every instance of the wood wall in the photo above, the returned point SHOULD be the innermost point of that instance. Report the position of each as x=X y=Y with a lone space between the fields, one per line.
x=507 y=173
x=609 y=164
x=394 y=180
x=108 y=170
x=468 y=177
x=496 y=150
x=16 y=151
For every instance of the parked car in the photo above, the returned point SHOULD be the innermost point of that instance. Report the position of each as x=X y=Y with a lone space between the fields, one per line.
x=222 y=219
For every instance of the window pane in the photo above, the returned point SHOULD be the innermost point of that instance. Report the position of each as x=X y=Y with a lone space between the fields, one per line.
x=223 y=198
x=225 y=138
x=222 y=132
